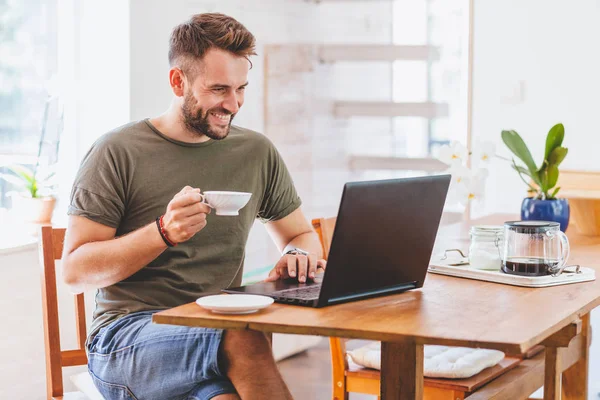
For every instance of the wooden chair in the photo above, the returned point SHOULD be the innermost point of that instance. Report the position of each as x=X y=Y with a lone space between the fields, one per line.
x=582 y=188
x=51 y=245
x=503 y=378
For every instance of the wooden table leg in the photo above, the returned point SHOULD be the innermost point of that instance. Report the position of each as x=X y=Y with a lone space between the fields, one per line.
x=552 y=374
x=401 y=371
x=575 y=379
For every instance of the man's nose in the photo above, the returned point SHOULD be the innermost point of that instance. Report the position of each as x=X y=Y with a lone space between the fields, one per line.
x=232 y=103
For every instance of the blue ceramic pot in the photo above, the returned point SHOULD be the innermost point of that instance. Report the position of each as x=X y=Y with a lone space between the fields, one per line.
x=556 y=210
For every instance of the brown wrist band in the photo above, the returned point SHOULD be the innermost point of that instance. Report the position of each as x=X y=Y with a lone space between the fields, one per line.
x=163 y=234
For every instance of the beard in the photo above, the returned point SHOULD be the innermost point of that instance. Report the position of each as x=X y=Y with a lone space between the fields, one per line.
x=196 y=121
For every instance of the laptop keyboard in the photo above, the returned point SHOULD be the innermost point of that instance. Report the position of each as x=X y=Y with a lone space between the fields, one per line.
x=301 y=293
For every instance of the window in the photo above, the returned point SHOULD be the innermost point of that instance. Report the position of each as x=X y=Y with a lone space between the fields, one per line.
x=28 y=61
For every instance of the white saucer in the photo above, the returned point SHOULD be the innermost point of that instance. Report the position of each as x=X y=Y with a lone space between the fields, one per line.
x=234 y=303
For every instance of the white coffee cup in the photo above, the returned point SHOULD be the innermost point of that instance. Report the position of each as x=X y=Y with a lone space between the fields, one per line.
x=226 y=203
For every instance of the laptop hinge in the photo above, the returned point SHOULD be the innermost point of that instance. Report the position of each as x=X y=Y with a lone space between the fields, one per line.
x=372 y=293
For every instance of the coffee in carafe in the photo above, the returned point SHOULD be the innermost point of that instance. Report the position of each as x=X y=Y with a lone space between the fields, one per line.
x=534 y=248
x=531 y=266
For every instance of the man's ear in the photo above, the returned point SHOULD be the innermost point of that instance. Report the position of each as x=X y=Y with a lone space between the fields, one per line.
x=177 y=81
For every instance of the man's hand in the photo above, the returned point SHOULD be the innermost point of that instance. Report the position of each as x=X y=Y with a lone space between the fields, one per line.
x=297 y=265
x=186 y=215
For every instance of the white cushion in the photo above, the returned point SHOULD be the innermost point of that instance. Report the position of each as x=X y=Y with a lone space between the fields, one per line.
x=439 y=361
x=285 y=345
x=84 y=382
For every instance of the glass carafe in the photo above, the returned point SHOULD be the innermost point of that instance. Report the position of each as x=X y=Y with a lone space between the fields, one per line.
x=534 y=248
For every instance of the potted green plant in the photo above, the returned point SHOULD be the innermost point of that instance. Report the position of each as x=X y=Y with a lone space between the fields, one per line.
x=34 y=200
x=542 y=204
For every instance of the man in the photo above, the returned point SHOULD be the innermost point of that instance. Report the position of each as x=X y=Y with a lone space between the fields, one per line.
x=139 y=233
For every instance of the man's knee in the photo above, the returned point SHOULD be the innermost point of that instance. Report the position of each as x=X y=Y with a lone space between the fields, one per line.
x=244 y=345
x=227 y=397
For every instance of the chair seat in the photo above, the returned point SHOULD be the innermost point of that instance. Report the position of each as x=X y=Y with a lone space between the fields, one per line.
x=72 y=396
x=464 y=385
x=84 y=382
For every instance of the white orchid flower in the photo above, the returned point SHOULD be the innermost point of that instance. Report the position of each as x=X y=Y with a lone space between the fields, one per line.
x=474 y=189
x=453 y=154
x=461 y=177
x=485 y=151
x=460 y=174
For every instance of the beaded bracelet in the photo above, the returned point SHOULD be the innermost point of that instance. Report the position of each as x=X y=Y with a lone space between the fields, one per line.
x=163 y=234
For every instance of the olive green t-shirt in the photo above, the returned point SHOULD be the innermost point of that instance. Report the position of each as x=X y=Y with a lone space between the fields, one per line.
x=129 y=176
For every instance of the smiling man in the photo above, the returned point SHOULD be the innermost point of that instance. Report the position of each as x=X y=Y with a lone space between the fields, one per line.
x=139 y=234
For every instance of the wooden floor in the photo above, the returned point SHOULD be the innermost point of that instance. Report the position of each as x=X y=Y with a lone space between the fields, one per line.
x=308 y=374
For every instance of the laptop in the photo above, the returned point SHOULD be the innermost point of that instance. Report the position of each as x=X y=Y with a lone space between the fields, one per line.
x=381 y=245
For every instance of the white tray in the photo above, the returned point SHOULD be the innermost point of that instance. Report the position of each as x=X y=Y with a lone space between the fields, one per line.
x=465 y=271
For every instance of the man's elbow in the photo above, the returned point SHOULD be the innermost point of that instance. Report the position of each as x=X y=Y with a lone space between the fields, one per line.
x=70 y=276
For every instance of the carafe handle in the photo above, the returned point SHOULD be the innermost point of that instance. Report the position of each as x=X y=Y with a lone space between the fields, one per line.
x=566 y=251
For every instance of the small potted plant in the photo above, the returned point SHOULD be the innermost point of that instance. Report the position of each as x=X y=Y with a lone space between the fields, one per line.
x=542 y=204
x=34 y=201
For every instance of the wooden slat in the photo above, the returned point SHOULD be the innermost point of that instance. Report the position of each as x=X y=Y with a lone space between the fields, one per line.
x=579 y=180
x=552 y=375
x=339 y=363
x=376 y=52
x=324 y=228
x=476 y=381
x=372 y=387
x=58 y=240
x=73 y=396
x=389 y=109
x=54 y=384
x=563 y=337
x=80 y=323
x=428 y=164
x=585 y=211
x=525 y=379
x=460 y=385
x=367 y=383
x=402 y=370
x=575 y=377
x=572 y=354
x=71 y=358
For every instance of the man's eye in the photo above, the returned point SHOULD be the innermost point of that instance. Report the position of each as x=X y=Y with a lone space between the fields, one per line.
x=243 y=88
x=219 y=90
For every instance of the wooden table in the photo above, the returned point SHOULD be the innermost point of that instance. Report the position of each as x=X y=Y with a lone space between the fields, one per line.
x=447 y=311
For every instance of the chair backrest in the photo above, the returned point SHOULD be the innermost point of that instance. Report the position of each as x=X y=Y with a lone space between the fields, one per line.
x=324 y=228
x=51 y=245
x=571 y=180
x=579 y=180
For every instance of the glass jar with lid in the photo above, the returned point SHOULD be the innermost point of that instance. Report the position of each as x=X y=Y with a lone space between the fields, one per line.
x=486 y=243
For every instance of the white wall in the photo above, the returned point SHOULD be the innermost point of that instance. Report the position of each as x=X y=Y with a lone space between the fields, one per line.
x=536 y=63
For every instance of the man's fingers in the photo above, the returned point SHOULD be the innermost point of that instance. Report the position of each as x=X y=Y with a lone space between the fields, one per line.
x=312 y=265
x=302 y=262
x=281 y=268
x=184 y=200
x=194 y=209
x=322 y=264
x=273 y=275
x=291 y=265
x=186 y=189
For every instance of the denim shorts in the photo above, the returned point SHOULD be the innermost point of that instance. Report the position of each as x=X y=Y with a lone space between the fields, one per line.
x=132 y=358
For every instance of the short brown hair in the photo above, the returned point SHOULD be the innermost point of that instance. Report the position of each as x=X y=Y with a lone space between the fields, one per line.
x=191 y=40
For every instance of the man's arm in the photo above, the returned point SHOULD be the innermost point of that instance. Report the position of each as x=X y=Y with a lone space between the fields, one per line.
x=93 y=258
x=294 y=231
